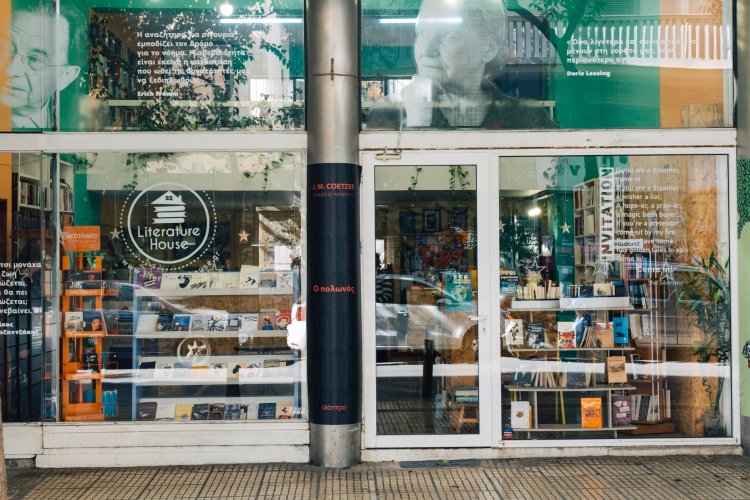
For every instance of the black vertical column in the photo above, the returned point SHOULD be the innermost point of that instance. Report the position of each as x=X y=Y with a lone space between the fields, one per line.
x=334 y=335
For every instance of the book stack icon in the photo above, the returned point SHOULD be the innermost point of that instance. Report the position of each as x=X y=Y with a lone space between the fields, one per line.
x=169 y=209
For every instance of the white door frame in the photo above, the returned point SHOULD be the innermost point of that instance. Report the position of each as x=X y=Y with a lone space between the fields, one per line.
x=485 y=287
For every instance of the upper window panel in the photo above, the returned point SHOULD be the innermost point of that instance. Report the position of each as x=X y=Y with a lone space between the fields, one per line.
x=538 y=64
x=111 y=65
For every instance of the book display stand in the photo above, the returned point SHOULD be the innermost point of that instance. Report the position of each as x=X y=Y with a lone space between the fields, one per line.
x=83 y=331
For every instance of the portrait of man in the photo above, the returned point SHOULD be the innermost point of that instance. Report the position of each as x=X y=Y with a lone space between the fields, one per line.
x=459 y=46
x=34 y=61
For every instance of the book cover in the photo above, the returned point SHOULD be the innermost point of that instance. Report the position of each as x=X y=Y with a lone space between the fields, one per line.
x=621 y=410
x=266 y=411
x=232 y=411
x=171 y=281
x=163 y=370
x=216 y=280
x=148 y=278
x=616 y=373
x=271 y=363
x=509 y=284
x=620 y=329
x=535 y=335
x=216 y=411
x=200 y=281
x=250 y=411
x=459 y=286
x=234 y=323
x=520 y=415
x=267 y=279
x=165 y=411
x=230 y=280
x=183 y=412
x=146 y=411
x=283 y=318
x=164 y=322
x=181 y=323
x=267 y=319
x=249 y=322
x=566 y=335
x=576 y=380
x=285 y=410
x=147 y=322
x=91 y=360
x=604 y=335
x=217 y=322
x=284 y=280
x=93 y=321
x=199 y=411
x=124 y=322
x=198 y=322
x=249 y=276
x=591 y=413
x=74 y=321
x=635 y=369
x=513 y=335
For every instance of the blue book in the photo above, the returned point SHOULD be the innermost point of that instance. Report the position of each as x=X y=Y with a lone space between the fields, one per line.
x=266 y=411
x=620 y=329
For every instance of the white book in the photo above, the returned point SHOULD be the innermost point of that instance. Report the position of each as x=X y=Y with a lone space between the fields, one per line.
x=249 y=276
x=284 y=280
x=520 y=415
x=165 y=411
x=171 y=281
x=252 y=411
x=513 y=335
x=147 y=322
x=231 y=280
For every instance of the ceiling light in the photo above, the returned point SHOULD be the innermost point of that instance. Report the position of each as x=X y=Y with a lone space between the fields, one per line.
x=535 y=212
x=226 y=9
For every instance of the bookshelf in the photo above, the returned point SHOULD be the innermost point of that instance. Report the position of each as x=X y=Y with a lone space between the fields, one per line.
x=214 y=348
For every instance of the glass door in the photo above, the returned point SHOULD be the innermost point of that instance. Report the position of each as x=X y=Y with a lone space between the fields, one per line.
x=425 y=330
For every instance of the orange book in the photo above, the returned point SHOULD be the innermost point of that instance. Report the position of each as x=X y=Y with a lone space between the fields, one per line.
x=591 y=413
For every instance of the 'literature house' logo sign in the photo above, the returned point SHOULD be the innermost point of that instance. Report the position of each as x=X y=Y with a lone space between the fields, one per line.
x=168 y=224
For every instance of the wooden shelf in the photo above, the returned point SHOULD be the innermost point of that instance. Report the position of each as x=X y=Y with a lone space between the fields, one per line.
x=83 y=335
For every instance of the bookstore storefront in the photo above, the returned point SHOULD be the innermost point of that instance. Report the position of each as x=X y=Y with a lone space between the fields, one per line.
x=543 y=286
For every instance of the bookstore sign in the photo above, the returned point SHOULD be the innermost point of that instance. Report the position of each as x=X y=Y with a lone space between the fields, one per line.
x=168 y=224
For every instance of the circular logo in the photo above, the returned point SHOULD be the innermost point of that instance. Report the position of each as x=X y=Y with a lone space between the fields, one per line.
x=168 y=224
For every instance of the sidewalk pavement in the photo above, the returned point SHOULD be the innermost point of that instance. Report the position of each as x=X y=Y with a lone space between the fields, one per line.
x=658 y=478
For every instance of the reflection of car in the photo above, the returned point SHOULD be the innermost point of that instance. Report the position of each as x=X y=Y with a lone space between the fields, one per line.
x=410 y=310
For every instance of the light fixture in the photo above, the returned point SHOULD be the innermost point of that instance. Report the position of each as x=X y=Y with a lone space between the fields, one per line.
x=263 y=20
x=226 y=9
x=535 y=211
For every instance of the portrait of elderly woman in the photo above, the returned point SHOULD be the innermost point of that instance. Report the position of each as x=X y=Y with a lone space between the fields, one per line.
x=460 y=45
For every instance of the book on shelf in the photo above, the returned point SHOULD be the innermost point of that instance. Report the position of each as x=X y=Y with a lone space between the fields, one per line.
x=646 y=327
x=522 y=378
x=74 y=321
x=620 y=328
x=199 y=281
x=165 y=411
x=266 y=411
x=272 y=363
x=267 y=279
x=147 y=365
x=216 y=411
x=520 y=415
x=146 y=411
x=93 y=321
x=164 y=322
x=249 y=276
x=605 y=336
x=514 y=332
x=171 y=281
x=591 y=413
x=217 y=321
x=267 y=319
x=566 y=335
x=249 y=322
x=249 y=411
x=616 y=373
x=148 y=278
x=634 y=325
x=285 y=410
x=282 y=319
x=163 y=370
x=216 y=280
x=199 y=411
x=509 y=284
x=183 y=412
x=147 y=322
x=181 y=323
x=284 y=280
x=234 y=323
x=232 y=411
x=621 y=409
x=577 y=379
x=91 y=361
x=231 y=280
x=125 y=322
x=535 y=337
x=198 y=322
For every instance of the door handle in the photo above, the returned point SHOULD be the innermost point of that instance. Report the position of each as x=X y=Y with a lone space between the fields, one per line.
x=476 y=318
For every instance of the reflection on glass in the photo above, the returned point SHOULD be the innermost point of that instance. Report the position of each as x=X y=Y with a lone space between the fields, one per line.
x=181 y=272
x=660 y=64
x=614 y=297
x=425 y=292
x=145 y=68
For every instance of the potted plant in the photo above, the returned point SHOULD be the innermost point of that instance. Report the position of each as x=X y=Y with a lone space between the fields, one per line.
x=705 y=296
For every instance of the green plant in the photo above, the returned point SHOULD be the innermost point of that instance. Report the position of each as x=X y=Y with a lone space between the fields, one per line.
x=705 y=296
